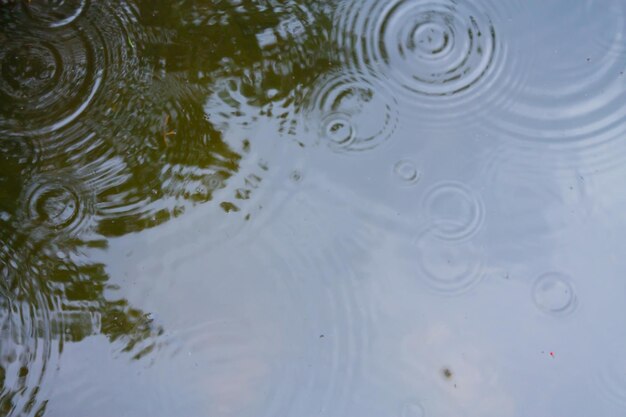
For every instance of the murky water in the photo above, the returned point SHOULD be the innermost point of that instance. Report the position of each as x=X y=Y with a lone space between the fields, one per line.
x=408 y=208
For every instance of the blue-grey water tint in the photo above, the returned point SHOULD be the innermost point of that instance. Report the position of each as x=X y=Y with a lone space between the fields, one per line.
x=409 y=208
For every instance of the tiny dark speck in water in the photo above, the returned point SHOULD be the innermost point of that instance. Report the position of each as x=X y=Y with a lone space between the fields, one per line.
x=447 y=373
x=321 y=336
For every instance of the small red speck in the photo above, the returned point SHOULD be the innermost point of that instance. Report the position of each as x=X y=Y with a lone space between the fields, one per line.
x=552 y=354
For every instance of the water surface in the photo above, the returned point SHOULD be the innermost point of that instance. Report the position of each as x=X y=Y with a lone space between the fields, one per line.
x=406 y=208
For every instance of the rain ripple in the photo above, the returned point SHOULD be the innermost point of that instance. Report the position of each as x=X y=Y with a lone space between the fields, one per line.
x=57 y=62
x=56 y=206
x=610 y=381
x=30 y=347
x=454 y=212
x=412 y=409
x=46 y=82
x=55 y=13
x=406 y=172
x=333 y=307
x=351 y=112
x=554 y=294
x=572 y=106
x=449 y=268
x=432 y=53
x=450 y=261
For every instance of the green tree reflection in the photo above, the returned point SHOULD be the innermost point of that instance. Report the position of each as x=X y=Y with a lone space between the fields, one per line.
x=140 y=151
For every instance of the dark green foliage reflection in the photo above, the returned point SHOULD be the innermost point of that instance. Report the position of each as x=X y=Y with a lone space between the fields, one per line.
x=112 y=121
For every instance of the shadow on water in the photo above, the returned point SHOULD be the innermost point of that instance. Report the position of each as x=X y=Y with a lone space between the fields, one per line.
x=104 y=132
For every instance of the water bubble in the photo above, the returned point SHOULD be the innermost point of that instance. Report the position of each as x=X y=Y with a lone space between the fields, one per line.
x=454 y=212
x=449 y=267
x=553 y=293
x=406 y=171
x=351 y=112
